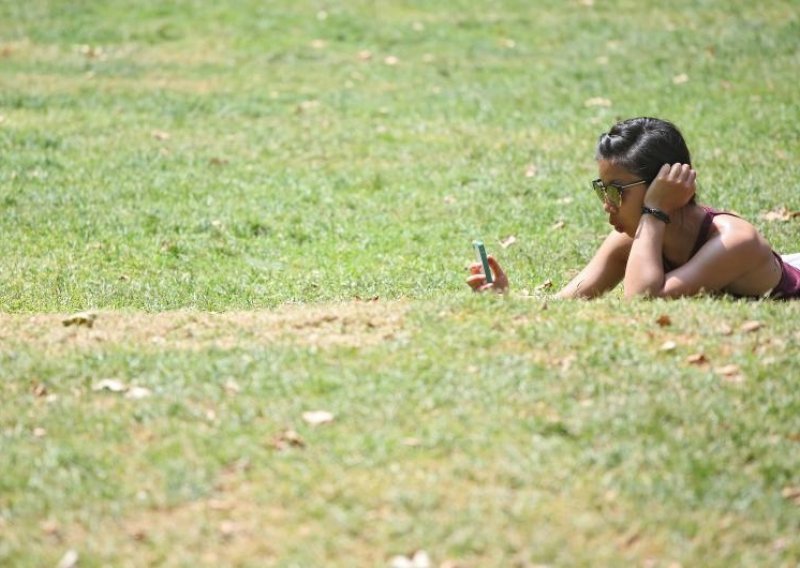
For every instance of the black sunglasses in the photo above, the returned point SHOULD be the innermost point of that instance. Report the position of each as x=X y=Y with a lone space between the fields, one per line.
x=613 y=191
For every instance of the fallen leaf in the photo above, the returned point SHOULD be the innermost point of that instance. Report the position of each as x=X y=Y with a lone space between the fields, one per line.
x=697 y=359
x=509 y=43
x=780 y=214
x=86 y=319
x=680 y=79
x=750 y=326
x=112 y=385
x=597 y=102
x=50 y=527
x=391 y=60
x=411 y=442
x=546 y=285
x=792 y=494
x=558 y=225
x=316 y=417
x=69 y=560
x=318 y=43
x=231 y=387
x=508 y=241
x=306 y=106
x=364 y=55
x=218 y=162
x=530 y=171
x=664 y=320
x=730 y=373
x=725 y=329
x=418 y=559
x=160 y=135
x=288 y=439
x=668 y=346
x=138 y=393
x=40 y=390
x=587 y=3
x=449 y=200
x=227 y=529
x=39 y=432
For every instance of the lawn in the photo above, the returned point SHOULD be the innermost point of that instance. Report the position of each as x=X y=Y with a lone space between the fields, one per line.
x=269 y=207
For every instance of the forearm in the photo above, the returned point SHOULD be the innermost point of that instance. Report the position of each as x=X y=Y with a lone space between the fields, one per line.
x=644 y=273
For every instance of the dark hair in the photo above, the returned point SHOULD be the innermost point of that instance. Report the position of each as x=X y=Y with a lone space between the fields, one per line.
x=643 y=145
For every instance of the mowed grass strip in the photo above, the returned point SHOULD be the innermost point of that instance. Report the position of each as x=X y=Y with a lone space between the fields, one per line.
x=484 y=431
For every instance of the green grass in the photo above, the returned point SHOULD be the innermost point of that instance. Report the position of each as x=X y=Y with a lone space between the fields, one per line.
x=218 y=157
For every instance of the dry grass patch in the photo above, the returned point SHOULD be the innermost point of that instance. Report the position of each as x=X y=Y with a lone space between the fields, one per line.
x=356 y=324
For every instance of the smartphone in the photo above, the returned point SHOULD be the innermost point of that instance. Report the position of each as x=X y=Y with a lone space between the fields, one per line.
x=480 y=252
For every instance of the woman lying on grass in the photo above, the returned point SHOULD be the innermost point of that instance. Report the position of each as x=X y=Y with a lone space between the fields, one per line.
x=664 y=244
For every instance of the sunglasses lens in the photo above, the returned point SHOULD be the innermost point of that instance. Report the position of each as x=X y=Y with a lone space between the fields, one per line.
x=614 y=195
x=599 y=190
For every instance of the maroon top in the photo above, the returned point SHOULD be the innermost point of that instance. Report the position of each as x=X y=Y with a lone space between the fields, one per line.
x=787 y=288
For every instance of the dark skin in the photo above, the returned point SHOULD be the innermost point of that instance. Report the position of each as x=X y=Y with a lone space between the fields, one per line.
x=735 y=259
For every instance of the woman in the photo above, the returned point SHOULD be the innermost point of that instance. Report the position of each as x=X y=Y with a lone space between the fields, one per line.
x=664 y=244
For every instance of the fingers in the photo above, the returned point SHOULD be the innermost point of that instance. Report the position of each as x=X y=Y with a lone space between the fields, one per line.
x=680 y=173
x=495 y=266
x=476 y=282
x=476 y=268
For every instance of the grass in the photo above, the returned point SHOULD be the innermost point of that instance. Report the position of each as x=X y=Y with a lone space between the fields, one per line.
x=163 y=161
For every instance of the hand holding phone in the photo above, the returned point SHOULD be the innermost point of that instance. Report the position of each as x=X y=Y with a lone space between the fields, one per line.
x=492 y=276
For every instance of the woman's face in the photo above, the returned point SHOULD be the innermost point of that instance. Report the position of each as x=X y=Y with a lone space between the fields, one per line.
x=625 y=217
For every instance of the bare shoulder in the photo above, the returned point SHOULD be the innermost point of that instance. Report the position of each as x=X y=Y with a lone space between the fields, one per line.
x=739 y=235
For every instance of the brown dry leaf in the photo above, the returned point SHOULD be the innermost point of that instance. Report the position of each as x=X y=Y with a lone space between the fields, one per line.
x=316 y=417
x=664 y=320
x=288 y=439
x=558 y=225
x=227 y=529
x=50 y=527
x=318 y=44
x=391 y=60
x=680 y=79
x=112 y=385
x=546 y=285
x=449 y=200
x=780 y=214
x=160 y=135
x=668 y=346
x=725 y=329
x=86 y=319
x=697 y=359
x=750 y=326
x=364 y=55
x=792 y=494
x=231 y=387
x=411 y=442
x=530 y=171
x=508 y=241
x=730 y=373
x=40 y=390
x=39 y=432
x=597 y=102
